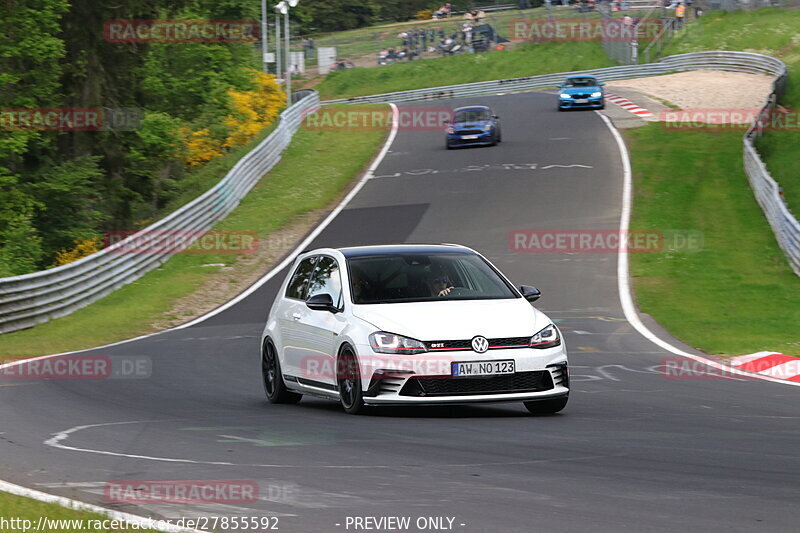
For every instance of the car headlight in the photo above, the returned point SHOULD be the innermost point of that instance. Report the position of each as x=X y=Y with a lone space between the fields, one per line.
x=487 y=127
x=565 y=95
x=383 y=342
x=597 y=94
x=548 y=337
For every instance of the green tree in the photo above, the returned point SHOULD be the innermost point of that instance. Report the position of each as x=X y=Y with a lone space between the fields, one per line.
x=30 y=50
x=20 y=244
x=68 y=192
x=335 y=15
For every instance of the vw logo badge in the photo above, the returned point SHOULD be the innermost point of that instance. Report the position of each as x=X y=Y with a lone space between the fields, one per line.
x=480 y=344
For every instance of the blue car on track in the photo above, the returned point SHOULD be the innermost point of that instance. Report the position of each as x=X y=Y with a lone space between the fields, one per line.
x=473 y=125
x=581 y=92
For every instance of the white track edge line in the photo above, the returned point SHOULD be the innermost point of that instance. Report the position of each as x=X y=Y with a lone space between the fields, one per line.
x=150 y=523
x=74 y=504
x=623 y=279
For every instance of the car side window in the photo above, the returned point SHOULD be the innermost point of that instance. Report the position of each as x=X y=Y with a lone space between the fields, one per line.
x=326 y=280
x=298 y=286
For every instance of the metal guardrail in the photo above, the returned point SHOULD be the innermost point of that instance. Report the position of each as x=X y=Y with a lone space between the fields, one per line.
x=784 y=224
x=735 y=61
x=33 y=298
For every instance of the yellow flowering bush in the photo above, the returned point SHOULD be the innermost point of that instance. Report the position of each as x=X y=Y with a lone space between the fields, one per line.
x=200 y=146
x=83 y=247
x=254 y=110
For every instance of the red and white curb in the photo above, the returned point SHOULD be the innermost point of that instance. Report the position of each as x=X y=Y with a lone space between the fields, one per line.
x=774 y=365
x=629 y=106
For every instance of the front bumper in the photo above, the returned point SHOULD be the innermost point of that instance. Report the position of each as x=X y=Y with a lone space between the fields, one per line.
x=571 y=103
x=426 y=378
x=481 y=139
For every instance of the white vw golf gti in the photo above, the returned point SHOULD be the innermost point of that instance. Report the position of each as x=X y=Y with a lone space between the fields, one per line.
x=410 y=324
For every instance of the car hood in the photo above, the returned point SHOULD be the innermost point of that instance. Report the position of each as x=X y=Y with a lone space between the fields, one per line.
x=455 y=319
x=471 y=125
x=580 y=90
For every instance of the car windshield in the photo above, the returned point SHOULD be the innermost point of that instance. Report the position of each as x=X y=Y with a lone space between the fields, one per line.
x=581 y=82
x=394 y=278
x=472 y=115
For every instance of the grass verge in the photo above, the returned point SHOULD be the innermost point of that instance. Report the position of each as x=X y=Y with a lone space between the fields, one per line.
x=770 y=31
x=314 y=170
x=735 y=295
x=20 y=509
x=528 y=60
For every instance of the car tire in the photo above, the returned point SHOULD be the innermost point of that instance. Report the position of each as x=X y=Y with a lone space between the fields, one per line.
x=546 y=407
x=274 y=386
x=560 y=108
x=348 y=382
x=603 y=105
x=447 y=146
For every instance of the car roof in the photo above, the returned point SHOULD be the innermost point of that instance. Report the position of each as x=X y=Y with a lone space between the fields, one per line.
x=582 y=76
x=405 y=249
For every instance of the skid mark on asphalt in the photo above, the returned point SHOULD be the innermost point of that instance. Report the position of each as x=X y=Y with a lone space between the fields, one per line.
x=617 y=373
x=61 y=436
x=479 y=168
x=267 y=438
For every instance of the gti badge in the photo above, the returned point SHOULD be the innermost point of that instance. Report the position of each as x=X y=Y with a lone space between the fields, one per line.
x=480 y=344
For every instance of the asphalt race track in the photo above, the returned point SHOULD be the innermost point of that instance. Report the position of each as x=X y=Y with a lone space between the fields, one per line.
x=633 y=451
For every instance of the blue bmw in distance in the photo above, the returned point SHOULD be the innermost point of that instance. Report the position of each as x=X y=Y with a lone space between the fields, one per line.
x=473 y=125
x=581 y=92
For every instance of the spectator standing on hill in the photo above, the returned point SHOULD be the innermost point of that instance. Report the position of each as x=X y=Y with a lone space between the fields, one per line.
x=466 y=31
x=308 y=48
x=680 y=14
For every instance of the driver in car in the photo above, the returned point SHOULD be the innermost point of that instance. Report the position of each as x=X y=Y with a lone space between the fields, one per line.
x=441 y=286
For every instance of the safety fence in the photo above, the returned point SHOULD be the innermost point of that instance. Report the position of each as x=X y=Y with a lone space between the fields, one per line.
x=767 y=191
x=33 y=298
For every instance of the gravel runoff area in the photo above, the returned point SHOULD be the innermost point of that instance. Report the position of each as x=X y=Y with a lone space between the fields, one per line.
x=705 y=90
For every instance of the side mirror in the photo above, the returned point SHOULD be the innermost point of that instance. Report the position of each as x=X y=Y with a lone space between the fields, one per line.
x=321 y=302
x=560 y=86
x=601 y=83
x=495 y=116
x=530 y=293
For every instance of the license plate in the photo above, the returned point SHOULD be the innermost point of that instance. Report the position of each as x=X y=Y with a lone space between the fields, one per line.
x=582 y=101
x=469 y=137
x=483 y=368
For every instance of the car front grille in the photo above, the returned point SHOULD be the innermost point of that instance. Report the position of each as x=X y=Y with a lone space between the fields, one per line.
x=468 y=132
x=580 y=96
x=494 y=344
x=536 y=381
